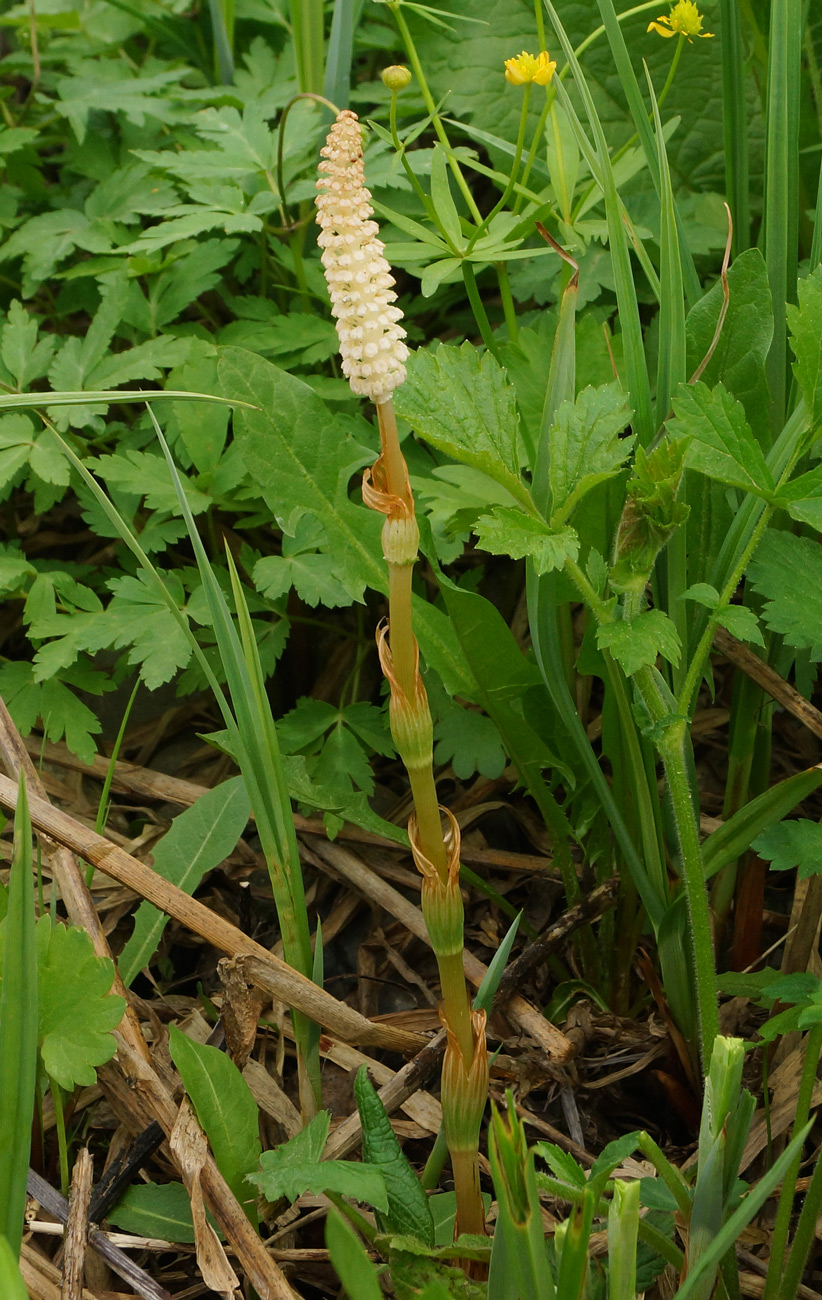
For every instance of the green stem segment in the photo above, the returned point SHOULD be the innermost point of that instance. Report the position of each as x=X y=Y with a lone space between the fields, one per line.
x=465 y=1079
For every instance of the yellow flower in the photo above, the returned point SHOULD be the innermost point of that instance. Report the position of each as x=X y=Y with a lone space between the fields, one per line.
x=526 y=68
x=683 y=20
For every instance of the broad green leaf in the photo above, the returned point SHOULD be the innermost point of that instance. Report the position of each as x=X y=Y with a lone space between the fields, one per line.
x=636 y=643
x=199 y=839
x=805 y=322
x=738 y=361
x=76 y=1012
x=510 y=531
x=18 y=1031
x=408 y=1210
x=586 y=447
x=302 y=458
x=160 y=1210
x=787 y=571
x=721 y=444
x=461 y=401
x=792 y=844
x=225 y=1108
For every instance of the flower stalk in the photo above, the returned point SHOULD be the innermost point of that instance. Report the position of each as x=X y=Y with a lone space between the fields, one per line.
x=373 y=359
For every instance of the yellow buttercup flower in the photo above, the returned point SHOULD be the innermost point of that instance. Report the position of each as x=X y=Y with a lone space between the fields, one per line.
x=683 y=20
x=526 y=68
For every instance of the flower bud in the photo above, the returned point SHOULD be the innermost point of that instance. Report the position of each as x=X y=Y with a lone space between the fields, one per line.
x=397 y=77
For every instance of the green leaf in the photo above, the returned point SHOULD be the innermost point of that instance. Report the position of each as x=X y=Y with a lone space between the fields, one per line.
x=738 y=361
x=159 y=1210
x=734 y=836
x=805 y=323
x=63 y=715
x=635 y=643
x=470 y=741
x=76 y=1011
x=12 y=1285
x=510 y=531
x=302 y=457
x=792 y=844
x=353 y=1267
x=295 y=1168
x=585 y=445
x=23 y=356
x=742 y=623
x=225 y=1108
x=461 y=401
x=721 y=443
x=408 y=1210
x=787 y=571
x=441 y=197
x=199 y=839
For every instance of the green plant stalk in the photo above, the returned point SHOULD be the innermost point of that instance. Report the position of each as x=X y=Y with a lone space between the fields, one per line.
x=635 y=365
x=690 y=688
x=478 y=308
x=430 y=104
x=781 y=217
x=512 y=179
x=774 y=1282
x=671 y=742
x=803 y=1237
x=18 y=1032
x=408 y=692
x=735 y=123
x=60 y=1125
x=103 y=805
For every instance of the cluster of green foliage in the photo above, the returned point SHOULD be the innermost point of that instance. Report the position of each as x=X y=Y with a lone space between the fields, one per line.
x=158 y=170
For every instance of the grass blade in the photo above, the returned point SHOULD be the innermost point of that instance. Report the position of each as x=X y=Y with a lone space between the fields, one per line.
x=18 y=1033
x=735 y=122
x=781 y=221
x=635 y=365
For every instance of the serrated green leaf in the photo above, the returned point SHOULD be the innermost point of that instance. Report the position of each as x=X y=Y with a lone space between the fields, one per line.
x=470 y=741
x=805 y=323
x=25 y=358
x=76 y=1013
x=792 y=844
x=510 y=531
x=787 y=571
x=742 y=623
x=721 y=444
x=586 y=447
x=461 y=401
x=802 y=497
x=198 y=840
x=225 y=1108
x=295 y=1168
x=636 y=643
x=703 y=593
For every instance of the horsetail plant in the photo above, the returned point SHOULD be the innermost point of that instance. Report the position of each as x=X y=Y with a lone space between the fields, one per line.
x=373 y=356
